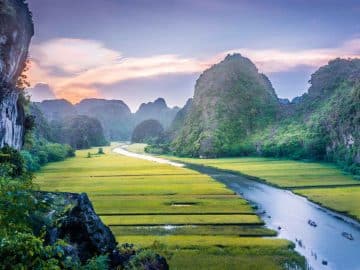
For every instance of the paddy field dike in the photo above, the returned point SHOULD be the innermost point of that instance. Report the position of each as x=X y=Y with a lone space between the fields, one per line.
x=191 y=219
x=322 y=183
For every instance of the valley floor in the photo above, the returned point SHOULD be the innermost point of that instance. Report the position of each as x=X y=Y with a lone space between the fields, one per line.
x=321 y=183
x=191 y=219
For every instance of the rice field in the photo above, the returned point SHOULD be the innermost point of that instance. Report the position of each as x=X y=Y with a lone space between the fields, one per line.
x=342 y=199
x=191 y=219
x=322 y=183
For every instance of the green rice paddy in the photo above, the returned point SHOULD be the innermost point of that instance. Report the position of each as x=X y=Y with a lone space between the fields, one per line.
x=322 y=183
x=191 y=219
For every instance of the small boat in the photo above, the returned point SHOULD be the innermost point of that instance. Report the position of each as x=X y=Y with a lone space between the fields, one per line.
x=312 y=223
x=348 y=235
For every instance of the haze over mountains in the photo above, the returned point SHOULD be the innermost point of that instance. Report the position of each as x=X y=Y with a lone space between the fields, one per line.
x=114 y=115
x=235 y=111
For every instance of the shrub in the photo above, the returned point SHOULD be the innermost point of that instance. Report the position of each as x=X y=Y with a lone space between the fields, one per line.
x=145 y=259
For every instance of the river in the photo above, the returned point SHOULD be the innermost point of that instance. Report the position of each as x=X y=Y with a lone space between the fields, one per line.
x=323 y=246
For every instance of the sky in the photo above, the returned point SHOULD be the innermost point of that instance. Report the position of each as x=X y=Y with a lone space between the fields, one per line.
x=139 y=50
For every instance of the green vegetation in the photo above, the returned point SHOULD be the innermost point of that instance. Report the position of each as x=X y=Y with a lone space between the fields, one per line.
x=137 y=147
x=232 y=99
x=78 y=131
x=147 y=131
x=344 y=199
x=235 y=112
x=280 y=172
x=43 y=152
x=323 y=183
x=22 y=243
x=145 y=202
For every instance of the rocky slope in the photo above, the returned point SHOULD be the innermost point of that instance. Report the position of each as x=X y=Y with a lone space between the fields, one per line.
x=322 y=124
x=16 y=30
x=235 y=111
x=231 y=100
x=71 y=217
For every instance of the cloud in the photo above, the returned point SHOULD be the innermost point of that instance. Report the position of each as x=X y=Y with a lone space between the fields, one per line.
x=41 y=91
x=73 y=55
x=77 y=68
x=275 y=60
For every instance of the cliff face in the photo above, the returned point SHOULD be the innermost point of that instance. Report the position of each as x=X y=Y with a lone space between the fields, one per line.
x=231 y=100
x=16 y=30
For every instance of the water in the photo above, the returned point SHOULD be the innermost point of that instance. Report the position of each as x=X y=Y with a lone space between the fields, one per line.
x=120 y=150
x=282 y=209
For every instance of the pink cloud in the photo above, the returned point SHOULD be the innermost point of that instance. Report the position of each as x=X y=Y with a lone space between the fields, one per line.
x=85 y=63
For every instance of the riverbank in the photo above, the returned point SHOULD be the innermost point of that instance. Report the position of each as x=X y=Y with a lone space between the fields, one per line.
x=147 y=204
x=273 y=204
x=321 y=183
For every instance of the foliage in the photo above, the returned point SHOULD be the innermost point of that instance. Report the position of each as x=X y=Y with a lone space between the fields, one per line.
x=21 y=245
x=323 y=124
x=79 y=132
x=42 y=152
x=13 y=160
x=143 y=260
x=147 y=131
x=231 y=101
x=164 y=194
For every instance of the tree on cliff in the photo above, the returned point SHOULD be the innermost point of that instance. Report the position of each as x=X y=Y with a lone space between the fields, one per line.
x=147 y=131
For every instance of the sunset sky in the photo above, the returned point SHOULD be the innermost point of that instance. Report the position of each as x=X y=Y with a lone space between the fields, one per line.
x=138 y=50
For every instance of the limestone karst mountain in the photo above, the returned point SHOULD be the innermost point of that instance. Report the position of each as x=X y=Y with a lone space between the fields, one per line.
x=231 y=101
x=16 y=30
x=158 y=110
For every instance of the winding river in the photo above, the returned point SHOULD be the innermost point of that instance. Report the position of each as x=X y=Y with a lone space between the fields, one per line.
x=324 y=246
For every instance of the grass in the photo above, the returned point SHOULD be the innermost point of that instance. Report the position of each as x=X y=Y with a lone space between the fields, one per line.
x=195 y=241
x=181 y=219
x=283 y=173
x=193 y=220
x=137 y=148
x=170 y=204
x=322 y=183
x=202 y=230
x=216 y=258
x=344 y=199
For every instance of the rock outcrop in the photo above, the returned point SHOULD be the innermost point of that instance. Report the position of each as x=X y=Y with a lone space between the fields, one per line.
x=16 y=30
x=231 y=100
x=71 y=217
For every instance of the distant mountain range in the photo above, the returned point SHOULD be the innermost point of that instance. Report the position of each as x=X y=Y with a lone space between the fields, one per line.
x=115 y=116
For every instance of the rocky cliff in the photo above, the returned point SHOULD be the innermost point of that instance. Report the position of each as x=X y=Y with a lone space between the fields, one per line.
x=231 y=100
x=71 y=217
x=16 y=30
x=235 y=111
